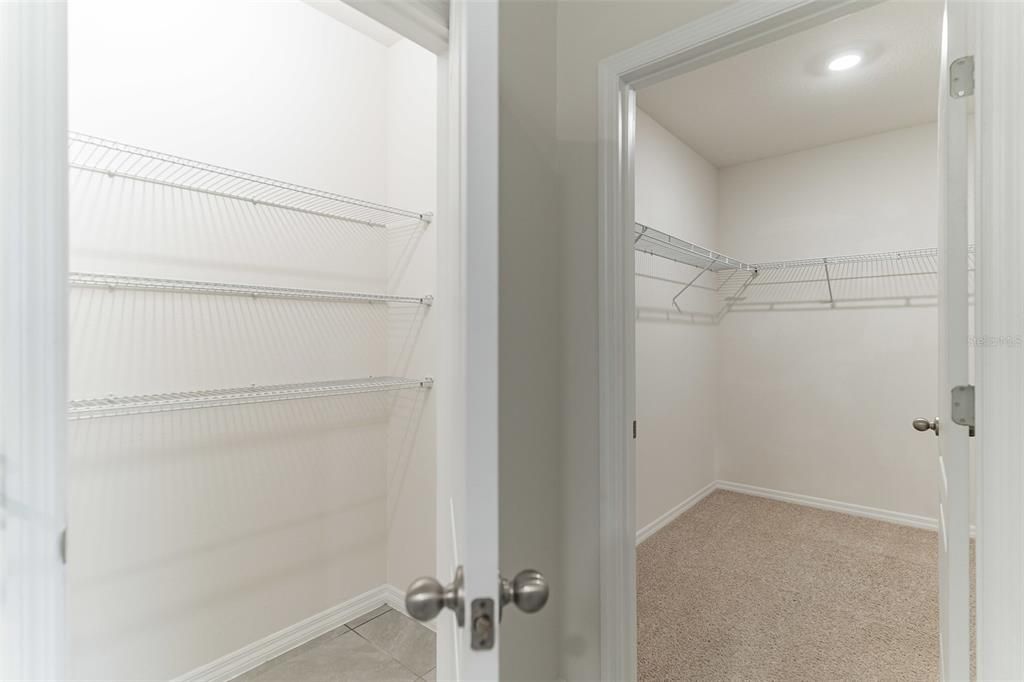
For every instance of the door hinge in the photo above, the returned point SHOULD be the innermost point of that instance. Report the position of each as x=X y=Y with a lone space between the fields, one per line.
x=961 y=77
x=962 y=406
x=64 y=546
x=634 y=429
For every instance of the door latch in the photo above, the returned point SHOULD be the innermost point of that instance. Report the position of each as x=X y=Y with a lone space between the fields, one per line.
x=482 y=624
x=962 y=406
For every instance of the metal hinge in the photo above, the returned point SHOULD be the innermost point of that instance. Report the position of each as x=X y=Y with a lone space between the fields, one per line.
x=961 y=77
x=64 y=546
x=962 y=407
x=634 y=429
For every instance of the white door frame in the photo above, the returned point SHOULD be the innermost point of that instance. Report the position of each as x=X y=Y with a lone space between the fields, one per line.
x=736 y=28
x=999 y=329
x=33 y=281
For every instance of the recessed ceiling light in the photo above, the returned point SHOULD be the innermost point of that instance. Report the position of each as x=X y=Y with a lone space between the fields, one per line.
x=844 y=61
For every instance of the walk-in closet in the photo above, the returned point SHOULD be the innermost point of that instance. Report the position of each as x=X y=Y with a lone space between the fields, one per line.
x=252 y=344
x=786 y=283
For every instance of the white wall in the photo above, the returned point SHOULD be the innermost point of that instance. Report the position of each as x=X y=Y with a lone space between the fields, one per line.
x=411 y=116
x=587 y=32
x=676 y=387
x=195 y=533
x=819 y=402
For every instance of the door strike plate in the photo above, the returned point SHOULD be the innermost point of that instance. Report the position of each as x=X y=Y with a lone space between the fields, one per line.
x=961 y=77
x=482 y=625
x=962 y=406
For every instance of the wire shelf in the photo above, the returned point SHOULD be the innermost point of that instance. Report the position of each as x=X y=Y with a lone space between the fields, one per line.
x=117 y=159
x=658 y=243
x=883 y=279
x=182 y=286
x=122 y=406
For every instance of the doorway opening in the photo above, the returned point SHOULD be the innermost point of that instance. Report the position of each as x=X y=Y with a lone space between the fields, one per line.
x=253 y=346
x=779 y=189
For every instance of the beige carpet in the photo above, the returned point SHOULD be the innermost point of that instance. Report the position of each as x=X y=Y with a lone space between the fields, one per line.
x=746 y=588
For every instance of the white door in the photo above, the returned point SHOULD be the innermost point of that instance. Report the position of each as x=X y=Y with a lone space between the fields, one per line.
x=954 y=483
x=467 y=527
x=33 y=337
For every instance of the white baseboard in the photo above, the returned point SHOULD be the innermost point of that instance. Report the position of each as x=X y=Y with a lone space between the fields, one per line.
x=669 y=516
x=832 y=505
x=901 y=518
x=252 y=655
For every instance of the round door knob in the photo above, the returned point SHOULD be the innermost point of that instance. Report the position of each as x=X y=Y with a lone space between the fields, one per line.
x=426 y=597
x=922 y=424
x=528 y=590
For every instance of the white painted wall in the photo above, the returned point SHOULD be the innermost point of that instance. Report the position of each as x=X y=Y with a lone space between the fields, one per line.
x=196 y=533
x=411 y=117
x=819 y=402
x=676 y=387
x=586 y=33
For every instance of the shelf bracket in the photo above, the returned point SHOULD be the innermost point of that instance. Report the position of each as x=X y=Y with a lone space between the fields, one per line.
x=828 y=281
x=690 y=284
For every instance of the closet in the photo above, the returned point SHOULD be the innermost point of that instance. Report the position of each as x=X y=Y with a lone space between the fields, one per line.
x=252 y=270
x=786 y=287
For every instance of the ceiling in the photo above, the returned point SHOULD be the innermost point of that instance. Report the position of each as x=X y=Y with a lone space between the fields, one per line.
x=781 y=98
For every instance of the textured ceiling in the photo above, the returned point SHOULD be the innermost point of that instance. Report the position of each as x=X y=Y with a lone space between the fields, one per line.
x=780 y=97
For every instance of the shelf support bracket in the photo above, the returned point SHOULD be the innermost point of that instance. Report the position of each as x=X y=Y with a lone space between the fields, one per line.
x=828 y=281
x=690 y=284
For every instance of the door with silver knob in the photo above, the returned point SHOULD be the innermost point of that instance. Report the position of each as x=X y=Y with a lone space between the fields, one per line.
x=426 y=598
x=528 y=590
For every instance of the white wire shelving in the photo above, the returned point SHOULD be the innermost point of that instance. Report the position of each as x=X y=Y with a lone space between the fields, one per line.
x=182 y=286
x=117 y=159
x=646 y=239
x=123 y=406
x=889 y=278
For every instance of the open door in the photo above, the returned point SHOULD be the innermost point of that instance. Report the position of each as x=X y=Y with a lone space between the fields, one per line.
x=955 y=89
x=463 y=596
x=33 y=338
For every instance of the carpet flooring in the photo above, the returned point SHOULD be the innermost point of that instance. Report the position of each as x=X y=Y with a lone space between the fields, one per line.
x=746 y=588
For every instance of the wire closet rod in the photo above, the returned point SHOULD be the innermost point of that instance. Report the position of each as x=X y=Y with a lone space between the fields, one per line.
x=117 y=159
x=183 y=286
x=122 y=406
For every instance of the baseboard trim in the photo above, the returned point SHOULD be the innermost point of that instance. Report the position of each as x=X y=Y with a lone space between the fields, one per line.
x=900 y=518
x=669 y=516
x=252 y=655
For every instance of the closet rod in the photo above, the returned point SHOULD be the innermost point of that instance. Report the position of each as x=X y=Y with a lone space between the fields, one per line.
x=117 y=159
x=102 y=281
x=123 y=406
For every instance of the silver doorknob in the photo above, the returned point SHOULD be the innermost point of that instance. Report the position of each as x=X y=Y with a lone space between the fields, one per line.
x=426 y=597
x=922 y=424
x=528 y=590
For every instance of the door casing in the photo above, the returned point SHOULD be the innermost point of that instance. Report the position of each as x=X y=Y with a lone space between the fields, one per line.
x=738 y=27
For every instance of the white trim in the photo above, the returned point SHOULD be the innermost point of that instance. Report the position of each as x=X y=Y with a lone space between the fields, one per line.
x=736 y=27
x=901 y=518
x=673 y=513
x=259 y=652
x=999 y=203
x=425 y=22
x=33 y=336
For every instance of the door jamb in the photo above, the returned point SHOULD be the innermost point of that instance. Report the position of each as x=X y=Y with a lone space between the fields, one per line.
x=733 y=29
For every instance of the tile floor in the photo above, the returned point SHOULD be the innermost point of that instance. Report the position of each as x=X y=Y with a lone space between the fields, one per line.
x=381 y=645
